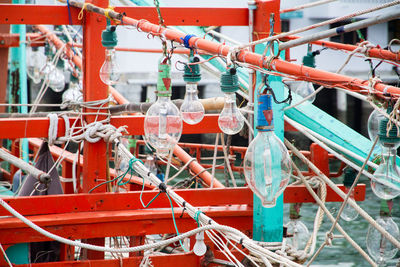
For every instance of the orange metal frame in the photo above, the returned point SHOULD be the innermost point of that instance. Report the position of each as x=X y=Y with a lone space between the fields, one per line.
x=95 y=216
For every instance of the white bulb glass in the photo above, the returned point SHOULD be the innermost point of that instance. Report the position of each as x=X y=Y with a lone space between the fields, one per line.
x=192 y=109
x=73 y=94
x=378 y=246
x=110 y=72
x=35 y=61
x=230 y=120
x=303 y=89
x=163 y=125
x=386 y=182
x=267 y=167
x=349 y=213
x=373 y=123
x=298 y=234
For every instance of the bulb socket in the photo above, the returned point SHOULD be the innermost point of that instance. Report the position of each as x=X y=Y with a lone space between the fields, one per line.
x=309 y=60
x=192 y=72
x=109 y=37
x=349 y=177
x=164 y=79
x=265 y=118
x=386 y=208
x=229 y=81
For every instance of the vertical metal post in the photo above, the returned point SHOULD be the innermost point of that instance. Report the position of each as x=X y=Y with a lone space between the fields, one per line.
x=94 y=154
x=268 y=222
x=252 y=76
x=18 y=65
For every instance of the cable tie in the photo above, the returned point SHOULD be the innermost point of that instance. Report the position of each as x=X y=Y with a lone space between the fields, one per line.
x=209 y=221
x=186 y=40
x=241 y=242
x=184 y=204
x=163 y=187
x=183 y=211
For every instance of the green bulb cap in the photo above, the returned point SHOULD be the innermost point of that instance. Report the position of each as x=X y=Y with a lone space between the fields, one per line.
x=60 y=64
x=192 y=72
x=349 y=177
x=295 y=211
x=386 y=208
x=164 y=79
x=109 y=37
x=73 y=79
x=309 y=60
x=392 y=137
x=229 y=81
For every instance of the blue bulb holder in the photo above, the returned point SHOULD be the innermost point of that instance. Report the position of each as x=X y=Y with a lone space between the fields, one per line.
x=265 y=119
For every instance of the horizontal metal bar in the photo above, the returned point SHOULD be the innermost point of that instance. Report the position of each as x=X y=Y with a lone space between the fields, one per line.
x=194 y=16
x=38 y=127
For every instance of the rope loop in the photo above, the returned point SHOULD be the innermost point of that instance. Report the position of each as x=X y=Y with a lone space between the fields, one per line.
x=80 y=15
x=196 y=217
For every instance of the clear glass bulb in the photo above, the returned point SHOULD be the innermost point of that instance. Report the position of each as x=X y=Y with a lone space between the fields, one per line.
x=303 y=89
x=373 y=123
x=35 y=62
x=73 y=94
x=349 y=213
x=163 y=125
x=46 y=69
x=378 y=246
x=267 y=167
x=192 y=110
x=109 y=72
x=56 y=79
x=230 y=120
x=151 y=164
x=386 y=182
x=298 y=234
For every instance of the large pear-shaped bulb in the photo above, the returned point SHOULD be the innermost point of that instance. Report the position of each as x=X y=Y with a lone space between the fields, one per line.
x=378 y=246
x=349 y=213
x=230 y=120
x=163 y=125
x=386 y=181
x=109 y=72
x=373 y=123
x=298 y=234
x=267 y=167
x=303 y=89
x=192 y=109
x=73 y=94
x=35 y=61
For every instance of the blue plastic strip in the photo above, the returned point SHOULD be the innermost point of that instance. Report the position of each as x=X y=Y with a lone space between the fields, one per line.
x=186 y=40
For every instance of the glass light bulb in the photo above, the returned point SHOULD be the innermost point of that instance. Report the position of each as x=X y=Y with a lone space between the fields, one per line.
x=46 y=69
x=298 y=234
x=230 y=120
x=35 y=62
x=267 y=167
x=303 y=89
x=73 y=94
x=373 y=123
x=109 y=72
x=151 y=164
x=56 y=79
x=378 y=246
x=386 y=181
x=349 y=213
x=192 y=110
x=163 y=125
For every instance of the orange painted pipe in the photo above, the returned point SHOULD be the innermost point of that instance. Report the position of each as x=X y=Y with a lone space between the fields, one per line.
x=372 y=52
x=309 y=74
x=196 y=167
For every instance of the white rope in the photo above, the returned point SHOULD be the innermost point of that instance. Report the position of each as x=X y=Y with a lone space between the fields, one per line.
x=214 y=160
x=5 y=255
x=228 y=164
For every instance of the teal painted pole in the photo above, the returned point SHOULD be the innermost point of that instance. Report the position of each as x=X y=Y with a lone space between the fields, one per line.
x=18 y=63
x=268 y=222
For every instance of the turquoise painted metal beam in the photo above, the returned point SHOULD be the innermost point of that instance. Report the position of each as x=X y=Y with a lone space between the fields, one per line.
x=268 y=222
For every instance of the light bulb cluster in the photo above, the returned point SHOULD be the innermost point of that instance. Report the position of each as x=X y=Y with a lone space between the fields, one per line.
x=230 y=120
x=267 y=164
x=386 y=181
